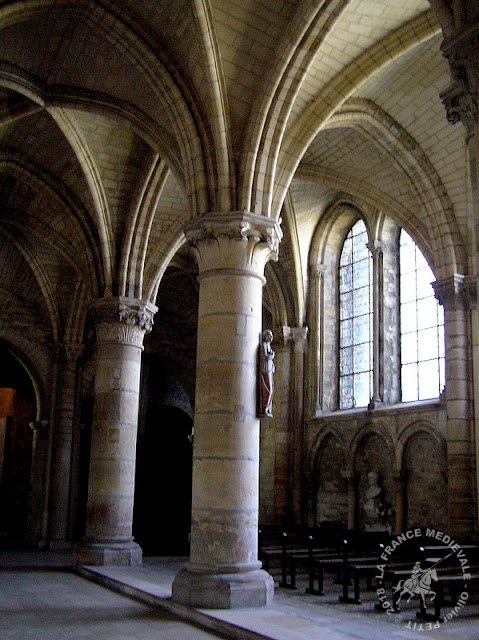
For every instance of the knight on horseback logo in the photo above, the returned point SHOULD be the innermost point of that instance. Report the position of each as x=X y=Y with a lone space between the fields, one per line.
x=419 y=584
x=438 y=554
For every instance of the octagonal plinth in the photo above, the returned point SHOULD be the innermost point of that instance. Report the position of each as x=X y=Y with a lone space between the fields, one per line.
x=125 y=554
x=223 y=591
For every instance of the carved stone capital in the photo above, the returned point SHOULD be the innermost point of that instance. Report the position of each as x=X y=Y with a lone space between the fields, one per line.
x=461 y=105
x=375 y=248
x=299 y=336
x=238 y=241
x=461 y=97
x=282 y=336
x=452 y=292
x=123 y=320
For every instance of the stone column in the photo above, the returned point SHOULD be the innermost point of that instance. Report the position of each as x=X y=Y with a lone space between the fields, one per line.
x=461 y=49
x=62 y=445
x=299 y=337
x=314 y=389
x=377 y=318
x=451 y=293
x=37 y=510
x=121 y=324
x=223 y=571
x=475 y=382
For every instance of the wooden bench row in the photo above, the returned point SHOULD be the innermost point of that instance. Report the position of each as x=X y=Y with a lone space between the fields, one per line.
x=352 y=557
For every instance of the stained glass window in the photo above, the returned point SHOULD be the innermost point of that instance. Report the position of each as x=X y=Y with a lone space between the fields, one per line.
x=355 y=320
x=422 y=326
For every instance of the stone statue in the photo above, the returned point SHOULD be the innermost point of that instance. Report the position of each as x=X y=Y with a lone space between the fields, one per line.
x=266 y=371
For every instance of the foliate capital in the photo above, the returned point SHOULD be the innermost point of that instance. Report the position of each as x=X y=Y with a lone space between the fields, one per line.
x=461 y=97
x=461 y=106
x=234 y=240
x=376 y=248
x=124 y=320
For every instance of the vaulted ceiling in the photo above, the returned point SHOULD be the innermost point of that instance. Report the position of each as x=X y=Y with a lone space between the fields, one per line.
x=120 y=120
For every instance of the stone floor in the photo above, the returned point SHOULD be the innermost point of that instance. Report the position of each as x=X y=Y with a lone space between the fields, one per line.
x=40 y=597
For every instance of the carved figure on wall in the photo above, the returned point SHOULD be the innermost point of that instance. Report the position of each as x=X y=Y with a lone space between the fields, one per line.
x=266 y=371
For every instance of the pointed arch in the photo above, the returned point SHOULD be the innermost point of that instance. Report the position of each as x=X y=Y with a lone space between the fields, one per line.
x=363 y=433
x=265 y=132
x=318 y=112
x=425 y=181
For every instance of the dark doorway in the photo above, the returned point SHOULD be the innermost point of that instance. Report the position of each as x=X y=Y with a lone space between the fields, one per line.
x=17 y=411
x=162 y=513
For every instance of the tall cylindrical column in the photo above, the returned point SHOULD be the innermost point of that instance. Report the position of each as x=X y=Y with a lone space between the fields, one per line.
x=452 y=293
x=121 y=324
x=223 y=571
x=62 y=445
x=461 y=99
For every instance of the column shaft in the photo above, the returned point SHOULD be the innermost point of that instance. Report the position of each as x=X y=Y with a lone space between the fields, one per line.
x=226 y=447
x=224 y=571
x=460 y=438
x=121 y=325
x=62 y=446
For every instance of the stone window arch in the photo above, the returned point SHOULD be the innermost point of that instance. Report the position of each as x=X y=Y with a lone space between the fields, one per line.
x=329 y=360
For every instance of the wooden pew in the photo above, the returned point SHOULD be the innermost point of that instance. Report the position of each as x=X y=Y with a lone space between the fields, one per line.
x=357 y=550
x=454 y=580
x=292 y=546
x=301 y=552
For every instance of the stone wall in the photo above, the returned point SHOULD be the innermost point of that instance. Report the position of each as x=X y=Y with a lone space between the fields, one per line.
x=404 y=445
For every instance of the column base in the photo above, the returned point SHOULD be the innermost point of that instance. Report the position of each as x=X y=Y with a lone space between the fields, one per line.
x=125 y=554
x=223 y=591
